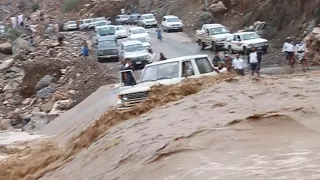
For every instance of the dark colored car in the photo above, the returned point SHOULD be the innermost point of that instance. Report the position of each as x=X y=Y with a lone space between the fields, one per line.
x=122 y=19
x=107 y=50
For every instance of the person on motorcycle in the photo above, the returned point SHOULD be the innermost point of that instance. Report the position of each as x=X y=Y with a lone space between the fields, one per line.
x=159 y=34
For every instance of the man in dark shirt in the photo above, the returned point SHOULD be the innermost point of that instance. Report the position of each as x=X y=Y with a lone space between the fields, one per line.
x=129 y=79
x=216 y=60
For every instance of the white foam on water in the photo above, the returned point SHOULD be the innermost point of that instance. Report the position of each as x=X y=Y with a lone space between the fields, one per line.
x=14 y=137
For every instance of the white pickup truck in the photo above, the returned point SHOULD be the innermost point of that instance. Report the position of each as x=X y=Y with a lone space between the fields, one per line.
x=212 y=35
x=171 y=71
x=244 y=41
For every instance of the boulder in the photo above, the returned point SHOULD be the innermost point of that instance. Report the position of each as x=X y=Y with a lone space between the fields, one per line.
x=6 y=64
x=44 y=82
x=20 y=45
x=45 y=92
x=60 y=107
x=57 y=96
x=6 y=48
x=218 y=8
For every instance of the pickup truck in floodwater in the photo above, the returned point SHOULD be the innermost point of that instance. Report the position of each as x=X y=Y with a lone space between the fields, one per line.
x=171 y=71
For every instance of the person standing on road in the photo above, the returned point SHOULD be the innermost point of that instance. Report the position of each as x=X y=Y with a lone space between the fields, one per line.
x=301 y=50
x=159 y=33
x=238 y=64
x=152 y=56
x=255 y=61
x=289 y=49
x=216 y=60
x=162 y=57
x=129 y=79
x=85 y=50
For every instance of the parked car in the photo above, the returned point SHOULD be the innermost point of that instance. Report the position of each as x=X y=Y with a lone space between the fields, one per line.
x=70 y=25
x=171 y=71
x=107 y=50
x=147 y=20
x=135 y=51
x=121 y=32
x=86 y=24
x=99 y=24
x=122 y=19
x=212 y=35
x=108 y=31
x=138 y=32
x=134 y=17
x=244 y=41
x=171 y=23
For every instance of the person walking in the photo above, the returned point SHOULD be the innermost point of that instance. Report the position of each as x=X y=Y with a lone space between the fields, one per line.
x=162 y=57
x=238 y=64
x=301 y=50
x=85 y=50
x=255 y=61
x=159 y=33
x=289 y=49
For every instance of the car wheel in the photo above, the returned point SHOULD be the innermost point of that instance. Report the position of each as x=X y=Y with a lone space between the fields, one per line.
x=201 y=45
x=214 y=47
x=245 y=50
x=230 y=49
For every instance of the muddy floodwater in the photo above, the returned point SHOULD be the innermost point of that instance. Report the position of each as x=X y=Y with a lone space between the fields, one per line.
x=235 y=130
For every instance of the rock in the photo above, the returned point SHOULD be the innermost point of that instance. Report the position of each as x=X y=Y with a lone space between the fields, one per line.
x=6 y=48
x=44 y=82
x=7 y=88
x=218 y=8
x=26 y=101
x=47 y=106
x=72 y=92
x=20 y=44
x=63 y=71
x=6 y=64
x=8 y=96
x=57 y=96
x=5 y=124
x=60 y=107
x=45 y=92
x=16 y=120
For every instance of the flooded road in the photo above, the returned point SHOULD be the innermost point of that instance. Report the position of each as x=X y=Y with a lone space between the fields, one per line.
x=241 y=129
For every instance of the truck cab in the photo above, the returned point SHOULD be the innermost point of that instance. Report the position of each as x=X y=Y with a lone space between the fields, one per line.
x=171 y=71
x=212 y=35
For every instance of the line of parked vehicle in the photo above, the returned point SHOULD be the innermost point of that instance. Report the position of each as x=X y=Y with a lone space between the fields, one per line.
x=219 y=37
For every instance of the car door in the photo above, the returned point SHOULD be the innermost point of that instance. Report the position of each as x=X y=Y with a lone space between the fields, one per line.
x=163 y=22
x=188 y=65
x=204 y=67
x=236 y=43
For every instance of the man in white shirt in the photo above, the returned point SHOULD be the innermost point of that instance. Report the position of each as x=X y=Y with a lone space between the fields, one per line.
x=255 y=61
x=238 y=64
x=289 y=50
x=152 y=56
x=301 y=50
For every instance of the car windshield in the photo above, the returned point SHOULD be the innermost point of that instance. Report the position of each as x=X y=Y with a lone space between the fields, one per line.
x=99 y=19
x=107 y=31
x=148 y=17
x=124 y=16
x=101 y=23
x=143 y=39
x=134 y=48
x=138 y=31
x=160 y=71
x=72 y=22
x=218 y=30
x=120 y=28
x=87 y=21
x=250 y=36
x=107 y=44
x=173 y=20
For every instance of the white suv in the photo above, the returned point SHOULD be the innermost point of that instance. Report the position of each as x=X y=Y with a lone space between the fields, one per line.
x=136 y=52
x=147 y=20
x=171 y=71
x=171 y=23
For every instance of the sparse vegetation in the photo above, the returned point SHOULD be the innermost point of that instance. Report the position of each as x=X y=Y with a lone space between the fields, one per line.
x=35 y=7
x=14 y=33
x=72 y=5
x=22 y=4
